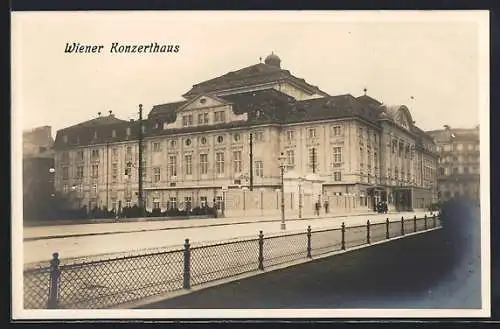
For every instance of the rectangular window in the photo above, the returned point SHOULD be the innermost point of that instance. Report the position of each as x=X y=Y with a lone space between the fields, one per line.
x=172 y=166
x=114 y=171
x=79 y=156
x=65 y=173
x=219 y=116
x=200 y=119
x=337 y=154
x=188 y=164
x=203 y=164
x=187 y=202
x=220 y=202
x=79 y=172
x=219 y=161
x=187 y=120
x=290 y=159
x=290 y=135
x=95 y=153
x=203 y=201
x=337 y=176
x=311 y=133
x=156 y=175
x=337 y=130
x=258 y=136
x=156 y=147
x=172 y=203
x=259 y=169
x=237 y=162
x=95 y=171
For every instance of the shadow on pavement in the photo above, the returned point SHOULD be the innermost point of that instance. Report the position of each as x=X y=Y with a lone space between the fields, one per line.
x=422 y=271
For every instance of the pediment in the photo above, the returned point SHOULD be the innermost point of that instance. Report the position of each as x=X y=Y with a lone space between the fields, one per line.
x=202 y=101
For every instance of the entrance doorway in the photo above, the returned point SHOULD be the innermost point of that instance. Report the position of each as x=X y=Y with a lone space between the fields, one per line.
x=403 y=199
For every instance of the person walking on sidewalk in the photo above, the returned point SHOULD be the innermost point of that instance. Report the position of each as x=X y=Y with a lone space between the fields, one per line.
x=318 y=207
x=326 y=205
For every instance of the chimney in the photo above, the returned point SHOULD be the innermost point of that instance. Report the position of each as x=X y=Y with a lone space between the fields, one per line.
x=99 y=114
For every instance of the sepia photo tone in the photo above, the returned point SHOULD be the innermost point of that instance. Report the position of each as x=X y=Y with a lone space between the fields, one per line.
x=298 y=164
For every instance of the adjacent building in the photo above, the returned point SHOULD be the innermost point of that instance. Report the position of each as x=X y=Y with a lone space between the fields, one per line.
x=458 y=165
x=242 y=121
x=38 y=178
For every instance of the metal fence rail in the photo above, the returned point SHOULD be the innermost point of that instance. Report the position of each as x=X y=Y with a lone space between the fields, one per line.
x=116 y=281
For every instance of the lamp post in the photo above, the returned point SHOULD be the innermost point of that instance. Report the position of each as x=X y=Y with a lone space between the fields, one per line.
x=300 y=198
x=52 y=172
x=282 y=159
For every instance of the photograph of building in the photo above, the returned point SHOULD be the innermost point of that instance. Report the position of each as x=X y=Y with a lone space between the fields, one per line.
x=196 y=147
x=458 y=168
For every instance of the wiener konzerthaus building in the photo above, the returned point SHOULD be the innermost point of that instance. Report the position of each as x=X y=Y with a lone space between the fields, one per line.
x=196 y=147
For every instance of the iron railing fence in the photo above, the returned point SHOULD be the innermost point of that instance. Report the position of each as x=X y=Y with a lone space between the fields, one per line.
x=127 y=279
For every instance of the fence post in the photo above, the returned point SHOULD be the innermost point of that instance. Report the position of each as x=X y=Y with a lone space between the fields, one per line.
x=54 y=281
x=415 y=223
x=261 y=250
x=425 y=222
x=309 y=241
x=402 y=225
x=434 y=220
x=187 y=265
x=368 y=231
x=387 y=228
x=342 y=245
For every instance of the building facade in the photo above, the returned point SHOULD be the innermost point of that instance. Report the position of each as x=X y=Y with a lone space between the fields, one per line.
x=243 y=122
x=38 y=178
x=458 y=165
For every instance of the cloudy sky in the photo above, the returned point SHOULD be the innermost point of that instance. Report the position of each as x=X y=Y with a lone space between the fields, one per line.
x=427 y=61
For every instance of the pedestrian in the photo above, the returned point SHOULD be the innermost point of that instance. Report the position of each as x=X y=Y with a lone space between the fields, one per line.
x=326 y=205
x=318 y=206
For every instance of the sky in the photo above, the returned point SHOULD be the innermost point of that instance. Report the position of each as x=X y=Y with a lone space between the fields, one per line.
x=428 y=62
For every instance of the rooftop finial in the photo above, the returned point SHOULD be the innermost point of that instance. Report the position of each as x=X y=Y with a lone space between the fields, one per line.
x=260 y=59
x=99 y=113
x=110 y=112
x=365 y=90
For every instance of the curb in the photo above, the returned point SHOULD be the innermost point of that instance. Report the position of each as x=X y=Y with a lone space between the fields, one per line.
x=49 y=237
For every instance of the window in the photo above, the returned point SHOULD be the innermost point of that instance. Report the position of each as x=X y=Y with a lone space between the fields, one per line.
x=470 y=147
x=460 y=147
x=258 y=136
x=220 y=202
x=313 y=156
x=219 y=161
x=203 y=140
x=203 y=118
x=128 y=131
x=95 y=134
x=128 y=170
x=237 y=162
x=172 y=166
x=65 y=157
x=79 y=172
x=290 y=135
x=114 y=152
x=311 y=133
x=114 y=171
x=220 y=139
x=173 y=143
x=290 y=159
x=156 y=147
x=95 y=153
x=259 y=169
x=455 y=171
x=187 y=202
x=156 y=175
x=129 y=150
x=79 y=156
x=203 y=201
x=113 y=133
x=95 y=171
x=65 y=173
x=203 y=164
x=156 y=204
x=172 y=203
x=337 y=176
x=336 y=130
x=337 y=154
x=65 y=139
x=188 y=142
x=65 y=188
x=188 y=164
x=187 y=120
x=466 y=170
x=236 y=137
x=219 y=116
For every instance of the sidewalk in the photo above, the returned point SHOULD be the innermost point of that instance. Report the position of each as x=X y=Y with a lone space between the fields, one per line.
x=116 y=227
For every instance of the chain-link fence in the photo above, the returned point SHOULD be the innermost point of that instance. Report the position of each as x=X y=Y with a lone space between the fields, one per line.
x=106 y=283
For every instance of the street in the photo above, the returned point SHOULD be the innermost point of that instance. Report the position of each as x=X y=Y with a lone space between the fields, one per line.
x=438 y=269
x=159 y=236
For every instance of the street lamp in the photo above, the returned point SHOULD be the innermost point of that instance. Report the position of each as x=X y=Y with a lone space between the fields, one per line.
x=282 y=159
x=300 y=198
x=52 y=171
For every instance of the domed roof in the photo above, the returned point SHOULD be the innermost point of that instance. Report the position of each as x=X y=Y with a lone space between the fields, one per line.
x=273 y=60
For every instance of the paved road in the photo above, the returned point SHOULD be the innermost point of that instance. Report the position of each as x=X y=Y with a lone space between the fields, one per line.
x=82 y=246
x=439 y=269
